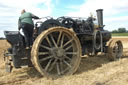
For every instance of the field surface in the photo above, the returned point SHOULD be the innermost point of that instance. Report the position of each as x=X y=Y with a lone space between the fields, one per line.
x=96 y=70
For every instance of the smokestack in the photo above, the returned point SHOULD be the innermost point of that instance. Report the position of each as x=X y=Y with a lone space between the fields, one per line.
x=100 y=17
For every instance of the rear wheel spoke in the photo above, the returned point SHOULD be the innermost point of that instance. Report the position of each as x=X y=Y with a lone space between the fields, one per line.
x=47 y=66
x=65 y=70
x=59 y=37
x=58 y=68
x=45 y=47
x=68 y=42
x=71 y=53
x=68 y=48
x=53 y=41
x=62 y=40
x=48 y=41
x=46 y=58
x=52 y=65
x=43 y=53
x=68 y=58
x=61 y=67
x=67 y=64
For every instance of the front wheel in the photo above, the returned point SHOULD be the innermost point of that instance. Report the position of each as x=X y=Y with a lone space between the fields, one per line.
x=115 y=50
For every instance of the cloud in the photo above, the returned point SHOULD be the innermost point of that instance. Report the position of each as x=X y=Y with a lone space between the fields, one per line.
x=114 y=11
x=57 y=2
x=30 y=5
x=111 y=8
x=11 y=9
x=116 y=22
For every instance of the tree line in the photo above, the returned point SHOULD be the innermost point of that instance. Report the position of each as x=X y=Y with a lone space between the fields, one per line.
x=2 y=38
x=120 y=30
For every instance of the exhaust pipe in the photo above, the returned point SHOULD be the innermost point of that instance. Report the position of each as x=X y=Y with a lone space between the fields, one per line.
x=100 y=17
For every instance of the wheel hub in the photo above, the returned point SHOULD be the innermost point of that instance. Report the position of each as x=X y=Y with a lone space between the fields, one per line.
x=58 y=53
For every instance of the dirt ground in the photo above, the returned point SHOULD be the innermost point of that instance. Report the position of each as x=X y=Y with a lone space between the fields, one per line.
x=96 y=70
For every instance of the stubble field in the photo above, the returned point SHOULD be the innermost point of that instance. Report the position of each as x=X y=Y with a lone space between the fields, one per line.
x=96 y=70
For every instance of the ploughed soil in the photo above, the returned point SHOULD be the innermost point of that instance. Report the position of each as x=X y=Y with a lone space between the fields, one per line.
x=96 y=70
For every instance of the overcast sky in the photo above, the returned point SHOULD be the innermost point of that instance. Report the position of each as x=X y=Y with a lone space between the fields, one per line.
x=115 y=11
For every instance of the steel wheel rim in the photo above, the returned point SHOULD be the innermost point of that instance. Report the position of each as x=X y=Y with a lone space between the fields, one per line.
x=62 y=56
x=117 y=49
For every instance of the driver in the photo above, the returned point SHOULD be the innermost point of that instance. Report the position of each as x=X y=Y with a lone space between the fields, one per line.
x=25 y=23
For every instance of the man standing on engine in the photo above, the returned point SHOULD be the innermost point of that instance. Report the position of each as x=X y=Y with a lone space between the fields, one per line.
x=26 y=24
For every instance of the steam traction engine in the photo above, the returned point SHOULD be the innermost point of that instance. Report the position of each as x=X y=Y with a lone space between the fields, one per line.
x=59 y=44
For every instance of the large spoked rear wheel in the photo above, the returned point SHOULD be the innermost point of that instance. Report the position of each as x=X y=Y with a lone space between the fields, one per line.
x=56 y=52
x=115 y=50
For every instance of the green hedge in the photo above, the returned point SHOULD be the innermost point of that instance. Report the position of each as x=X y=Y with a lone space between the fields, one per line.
x=119 y=34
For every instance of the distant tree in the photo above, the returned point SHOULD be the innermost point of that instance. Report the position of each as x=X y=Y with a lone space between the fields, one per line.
x=122 y=30
x=115 y=31
x=2 y=38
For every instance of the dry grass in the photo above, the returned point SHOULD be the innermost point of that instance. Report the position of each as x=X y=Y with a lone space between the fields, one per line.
x=96 y=70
